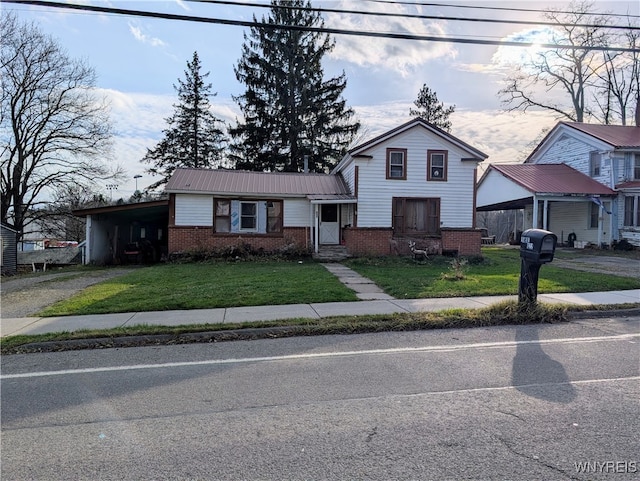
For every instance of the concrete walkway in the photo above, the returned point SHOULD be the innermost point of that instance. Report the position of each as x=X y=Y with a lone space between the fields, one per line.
x=40 y=325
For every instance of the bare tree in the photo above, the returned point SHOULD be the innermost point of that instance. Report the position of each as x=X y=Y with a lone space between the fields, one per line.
x=54 y=130
x=618 y=89
x=567 y=80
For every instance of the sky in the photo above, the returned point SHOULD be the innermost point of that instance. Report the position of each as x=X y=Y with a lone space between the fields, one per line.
x=139 y=60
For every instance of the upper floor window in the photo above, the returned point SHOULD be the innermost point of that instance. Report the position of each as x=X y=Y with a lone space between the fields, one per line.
x=397 y=164
x=594 y=163
x=636 y=167
x=437 y=165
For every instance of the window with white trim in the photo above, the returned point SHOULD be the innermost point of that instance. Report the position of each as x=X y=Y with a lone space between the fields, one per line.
x=397 y=164
x=437 y=165
x=248 y=216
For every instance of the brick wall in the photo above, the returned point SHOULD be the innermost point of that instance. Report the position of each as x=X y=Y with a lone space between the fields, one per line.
x=367 y=241
x=183 y=239
x=466 y=242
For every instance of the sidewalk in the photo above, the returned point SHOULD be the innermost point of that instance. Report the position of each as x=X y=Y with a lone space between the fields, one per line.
x=40 y=325
x=374 y=301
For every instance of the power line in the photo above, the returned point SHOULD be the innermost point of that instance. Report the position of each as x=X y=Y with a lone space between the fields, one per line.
x=333 y=31
x=480 y=7
x=412 y=15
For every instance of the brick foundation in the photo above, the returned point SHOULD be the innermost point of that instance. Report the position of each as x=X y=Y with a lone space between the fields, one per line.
x=367 y=241
x=184 y=239
x=466 y=242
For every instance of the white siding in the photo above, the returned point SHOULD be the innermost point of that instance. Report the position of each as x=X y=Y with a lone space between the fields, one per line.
x=573 y=217
x=496 y=188
x=375 y=192
x=575 y=153
x=192 y=209
x=296 y=213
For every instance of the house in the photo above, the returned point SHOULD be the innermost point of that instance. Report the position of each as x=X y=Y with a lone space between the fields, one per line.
x=582 y=182
x=415 y=182
x=9 y=249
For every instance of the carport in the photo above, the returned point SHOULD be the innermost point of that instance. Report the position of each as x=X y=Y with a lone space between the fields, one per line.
x=111 y=229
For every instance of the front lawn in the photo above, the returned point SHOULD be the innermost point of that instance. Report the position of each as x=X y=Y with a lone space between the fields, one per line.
x=498 y=273
x=207 y=285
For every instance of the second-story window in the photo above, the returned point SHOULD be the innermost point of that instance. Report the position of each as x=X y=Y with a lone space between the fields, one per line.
x=437 y=165
x=397 y=164
x=594 y=163
x=636 y=167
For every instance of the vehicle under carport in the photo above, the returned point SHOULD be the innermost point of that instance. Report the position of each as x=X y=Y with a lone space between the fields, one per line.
x=126 y=233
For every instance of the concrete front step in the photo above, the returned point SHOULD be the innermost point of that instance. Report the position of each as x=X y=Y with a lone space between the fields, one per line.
x=331 y=253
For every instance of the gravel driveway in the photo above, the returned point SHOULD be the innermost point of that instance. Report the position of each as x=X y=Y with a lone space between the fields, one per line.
x=24 y=296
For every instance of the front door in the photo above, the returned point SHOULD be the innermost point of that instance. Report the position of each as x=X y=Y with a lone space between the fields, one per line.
x=329 y=225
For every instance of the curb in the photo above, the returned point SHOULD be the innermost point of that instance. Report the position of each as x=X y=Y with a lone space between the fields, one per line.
x=247 y=334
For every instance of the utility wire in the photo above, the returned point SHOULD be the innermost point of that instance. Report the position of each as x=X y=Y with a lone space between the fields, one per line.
x=411 y=15
x=480 y=7
x=333 y=31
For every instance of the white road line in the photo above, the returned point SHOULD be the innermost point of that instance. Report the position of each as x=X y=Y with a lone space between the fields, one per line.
x=316 y=355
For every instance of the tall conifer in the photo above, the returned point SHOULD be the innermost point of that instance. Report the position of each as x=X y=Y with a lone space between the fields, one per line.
x=193 y=138
x=290 y=111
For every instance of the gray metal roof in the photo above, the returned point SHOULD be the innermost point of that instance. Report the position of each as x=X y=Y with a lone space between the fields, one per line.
x=242 y=182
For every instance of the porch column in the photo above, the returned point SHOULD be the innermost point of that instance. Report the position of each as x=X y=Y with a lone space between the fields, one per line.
x=88 y=234
x=545 y=215
x=316 y=223
x=600 y=222
x=534 y=221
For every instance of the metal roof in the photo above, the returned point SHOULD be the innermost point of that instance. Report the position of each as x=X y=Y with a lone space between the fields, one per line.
x=618 y=136
x=242 y=182
x=552 y=179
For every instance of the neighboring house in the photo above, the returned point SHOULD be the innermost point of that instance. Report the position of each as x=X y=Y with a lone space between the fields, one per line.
x=582 y=182
x=9 y=249
x=413 y=182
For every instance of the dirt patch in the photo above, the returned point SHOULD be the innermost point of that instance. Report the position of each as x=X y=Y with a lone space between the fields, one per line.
x=26 y=295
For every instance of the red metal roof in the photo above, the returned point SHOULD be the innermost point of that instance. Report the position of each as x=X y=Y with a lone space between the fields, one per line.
x=618 y=136
x=263 y=183
x=552 y=179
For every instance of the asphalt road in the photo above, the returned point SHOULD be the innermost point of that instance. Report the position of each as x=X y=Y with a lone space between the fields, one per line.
x=510 y=403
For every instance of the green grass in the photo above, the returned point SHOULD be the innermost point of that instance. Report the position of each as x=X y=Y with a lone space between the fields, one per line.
x=497 y=274
x=207 y=285
x=506 y=313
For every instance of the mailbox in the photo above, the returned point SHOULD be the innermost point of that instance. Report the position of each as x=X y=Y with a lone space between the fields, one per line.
x=538 y=246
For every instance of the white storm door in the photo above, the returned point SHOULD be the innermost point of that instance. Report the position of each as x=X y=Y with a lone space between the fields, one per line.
x=329 y=225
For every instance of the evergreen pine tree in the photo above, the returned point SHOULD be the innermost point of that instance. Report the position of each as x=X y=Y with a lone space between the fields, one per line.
x=290 y=111
x=193 y=138
x=432 y=111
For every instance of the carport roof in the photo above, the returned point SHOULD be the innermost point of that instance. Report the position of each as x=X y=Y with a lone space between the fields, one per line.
x=152 y=208
x=552 y=179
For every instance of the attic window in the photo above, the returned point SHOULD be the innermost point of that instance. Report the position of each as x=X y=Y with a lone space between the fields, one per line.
x=437 y=165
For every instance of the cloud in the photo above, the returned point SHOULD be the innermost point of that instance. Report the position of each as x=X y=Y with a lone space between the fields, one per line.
x=140 y=36
x=399 y=55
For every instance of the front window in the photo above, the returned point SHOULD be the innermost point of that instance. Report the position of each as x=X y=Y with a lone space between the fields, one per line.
x=248 y=216
x=397 y=164
x=594 y=214
x=416 y=215
x=274 y=216
x=222 y=216
x=437 y=165
x=632 y=211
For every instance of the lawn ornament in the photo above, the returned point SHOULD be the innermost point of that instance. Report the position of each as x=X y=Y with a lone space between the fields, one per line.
x=417 y=253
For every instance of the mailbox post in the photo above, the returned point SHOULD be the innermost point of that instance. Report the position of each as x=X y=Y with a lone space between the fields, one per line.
x=537 y=247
